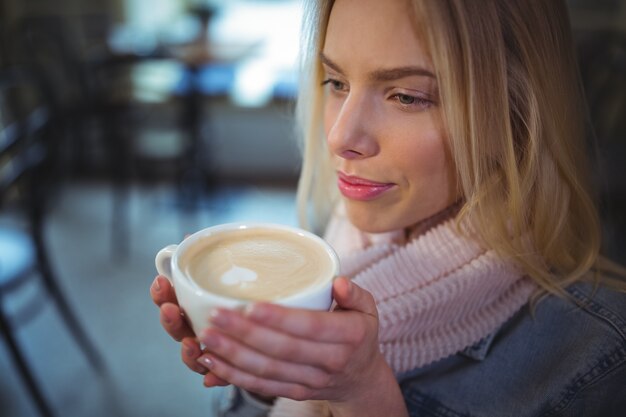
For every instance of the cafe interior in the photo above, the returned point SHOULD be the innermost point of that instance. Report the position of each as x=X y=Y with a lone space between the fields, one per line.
x=127 y=124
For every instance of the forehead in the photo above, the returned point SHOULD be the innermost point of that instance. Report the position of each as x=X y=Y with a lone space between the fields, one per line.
x=374 y=33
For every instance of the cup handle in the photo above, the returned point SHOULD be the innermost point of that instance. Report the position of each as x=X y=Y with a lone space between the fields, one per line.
x=163 y=261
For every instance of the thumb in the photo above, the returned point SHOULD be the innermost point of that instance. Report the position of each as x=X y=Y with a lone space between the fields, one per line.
x=349 y=296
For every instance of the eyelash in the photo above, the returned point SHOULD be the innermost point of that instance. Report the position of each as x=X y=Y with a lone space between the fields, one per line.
x=333 y=83
x=417 y=101
x=339 y=86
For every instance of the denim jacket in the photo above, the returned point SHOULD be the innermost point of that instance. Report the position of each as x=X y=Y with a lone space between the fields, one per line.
x=559 y=360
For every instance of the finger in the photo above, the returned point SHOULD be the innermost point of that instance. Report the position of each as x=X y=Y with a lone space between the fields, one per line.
x=260 y=365
x=162 y=291
x=349 y=296
x=174 y=323
x=276 y=344
x=211 y=380
x=320 y=326
x=190 y=352
x=253 y=383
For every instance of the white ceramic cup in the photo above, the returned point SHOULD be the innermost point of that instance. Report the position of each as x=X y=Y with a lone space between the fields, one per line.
x=197 y=302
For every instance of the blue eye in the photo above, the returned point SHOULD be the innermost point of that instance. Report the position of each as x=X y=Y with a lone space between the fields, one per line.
x=334 y=84
x=409 y=101
x=406 y=99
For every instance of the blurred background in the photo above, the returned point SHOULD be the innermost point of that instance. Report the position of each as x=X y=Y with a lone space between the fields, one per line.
x=124 y=125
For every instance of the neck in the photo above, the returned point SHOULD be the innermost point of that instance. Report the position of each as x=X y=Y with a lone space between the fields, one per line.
x=436 y=219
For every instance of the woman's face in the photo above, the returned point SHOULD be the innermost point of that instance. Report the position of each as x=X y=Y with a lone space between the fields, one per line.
x=382 y=117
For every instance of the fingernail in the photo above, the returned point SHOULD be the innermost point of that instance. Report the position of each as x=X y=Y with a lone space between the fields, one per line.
x=205 y=361
x=210 y=340
x=218 y=318
x=155 y=285
x=255 y=310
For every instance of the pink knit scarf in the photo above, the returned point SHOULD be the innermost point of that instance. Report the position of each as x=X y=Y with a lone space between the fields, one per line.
x=436 y=295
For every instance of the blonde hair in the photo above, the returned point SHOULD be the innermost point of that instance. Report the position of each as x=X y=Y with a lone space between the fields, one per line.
x=514 y=110
x=316 y=194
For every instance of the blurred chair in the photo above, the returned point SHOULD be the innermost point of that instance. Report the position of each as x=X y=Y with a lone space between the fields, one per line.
x=27 y=173
x=88 y=102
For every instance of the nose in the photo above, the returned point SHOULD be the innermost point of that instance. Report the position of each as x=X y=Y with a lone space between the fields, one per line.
x=349 y=128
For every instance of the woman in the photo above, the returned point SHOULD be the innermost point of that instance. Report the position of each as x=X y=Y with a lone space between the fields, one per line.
x=454 y=133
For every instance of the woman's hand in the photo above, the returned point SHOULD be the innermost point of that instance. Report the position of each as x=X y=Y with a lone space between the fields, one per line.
x=302 y=354
x=176 y=326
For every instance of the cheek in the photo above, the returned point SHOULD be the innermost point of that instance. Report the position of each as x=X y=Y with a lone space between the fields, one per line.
x=331 y=109
x=423 y=156
x=429 y=169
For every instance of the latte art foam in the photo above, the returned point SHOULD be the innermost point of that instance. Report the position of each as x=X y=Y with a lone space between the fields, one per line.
x=237 y=275
x=257 y=264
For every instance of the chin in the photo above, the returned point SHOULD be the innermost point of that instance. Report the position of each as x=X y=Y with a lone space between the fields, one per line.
x=375 y=219
x=372 y=221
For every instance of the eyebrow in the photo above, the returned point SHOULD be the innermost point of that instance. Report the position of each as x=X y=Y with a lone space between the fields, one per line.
x=384 y=74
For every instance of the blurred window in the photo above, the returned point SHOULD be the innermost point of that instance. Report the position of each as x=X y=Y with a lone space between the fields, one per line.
x=260 y=39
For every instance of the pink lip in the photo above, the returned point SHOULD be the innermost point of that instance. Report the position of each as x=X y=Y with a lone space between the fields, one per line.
x=357 y=188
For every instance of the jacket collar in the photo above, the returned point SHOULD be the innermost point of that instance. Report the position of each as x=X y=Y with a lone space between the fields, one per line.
x=479 y=351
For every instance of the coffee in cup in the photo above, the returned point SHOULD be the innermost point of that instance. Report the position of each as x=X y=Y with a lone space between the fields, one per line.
x=234 y=264
x=257 y=264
